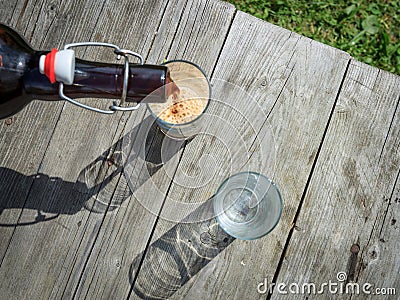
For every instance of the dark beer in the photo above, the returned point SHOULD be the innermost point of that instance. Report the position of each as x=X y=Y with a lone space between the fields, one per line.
x=21 y=81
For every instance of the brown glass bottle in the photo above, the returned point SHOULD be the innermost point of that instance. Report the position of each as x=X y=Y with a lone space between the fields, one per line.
x=21 y=82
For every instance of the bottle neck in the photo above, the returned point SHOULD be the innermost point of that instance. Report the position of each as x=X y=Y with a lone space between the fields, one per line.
x=100 y=80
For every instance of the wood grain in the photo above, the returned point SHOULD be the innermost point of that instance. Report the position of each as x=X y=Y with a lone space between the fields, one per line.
x=346 y=218
x=23 y=143
x=46 y=259
x=324 y=129
x=125 y=232
x=293 y=80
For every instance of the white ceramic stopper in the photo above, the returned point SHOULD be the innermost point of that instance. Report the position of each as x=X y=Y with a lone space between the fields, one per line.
x=41 y=63
x=64 y=66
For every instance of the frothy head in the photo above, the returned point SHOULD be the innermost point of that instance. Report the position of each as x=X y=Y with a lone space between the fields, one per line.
x=188 y=92
x=181 y=107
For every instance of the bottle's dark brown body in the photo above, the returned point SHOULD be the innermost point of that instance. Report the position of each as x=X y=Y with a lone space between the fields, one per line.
x=21 y=81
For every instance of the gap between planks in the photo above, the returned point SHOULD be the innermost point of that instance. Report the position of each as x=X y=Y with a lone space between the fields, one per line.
x=296 y=216
x=180 y=157
x=109 y=154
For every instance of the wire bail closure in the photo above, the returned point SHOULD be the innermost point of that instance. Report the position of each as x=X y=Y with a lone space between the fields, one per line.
x=120 y=53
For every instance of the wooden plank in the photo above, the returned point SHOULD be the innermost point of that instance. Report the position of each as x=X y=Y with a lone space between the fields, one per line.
x=108 y=268
x=5 y=8
x=379 y=262
x=293 y=80
x=345 y=222
x=23 y=143
x=43 y=258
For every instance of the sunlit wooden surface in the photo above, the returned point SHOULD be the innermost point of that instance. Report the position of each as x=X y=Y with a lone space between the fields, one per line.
x=323 y=126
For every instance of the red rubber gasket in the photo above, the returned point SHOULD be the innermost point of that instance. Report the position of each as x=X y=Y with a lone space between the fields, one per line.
x=49 y=65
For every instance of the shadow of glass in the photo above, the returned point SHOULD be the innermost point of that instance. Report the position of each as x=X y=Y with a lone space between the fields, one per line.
x=178 y=255
x=129 y=163
x=101 y=186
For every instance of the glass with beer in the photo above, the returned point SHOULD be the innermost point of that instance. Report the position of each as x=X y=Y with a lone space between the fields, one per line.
x=181 y=117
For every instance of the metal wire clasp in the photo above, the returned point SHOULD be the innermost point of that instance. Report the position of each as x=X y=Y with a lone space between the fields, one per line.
x=120 y=53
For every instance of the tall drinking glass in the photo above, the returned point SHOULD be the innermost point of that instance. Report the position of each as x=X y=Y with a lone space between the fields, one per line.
x=181 y=117
x=247 y=205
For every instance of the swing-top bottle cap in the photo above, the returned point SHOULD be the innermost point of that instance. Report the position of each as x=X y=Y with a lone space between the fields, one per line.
x=58 y=65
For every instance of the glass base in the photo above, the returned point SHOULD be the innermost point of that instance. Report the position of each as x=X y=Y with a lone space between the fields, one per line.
x=247 y=205
x=241 y=205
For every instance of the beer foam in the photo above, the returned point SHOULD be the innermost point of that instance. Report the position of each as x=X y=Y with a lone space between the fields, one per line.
x=181 y=107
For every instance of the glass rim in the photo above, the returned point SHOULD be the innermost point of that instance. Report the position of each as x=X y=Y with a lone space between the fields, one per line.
x=168 y=124
x=272 y=183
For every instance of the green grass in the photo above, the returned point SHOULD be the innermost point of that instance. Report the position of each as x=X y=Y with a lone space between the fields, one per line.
x=368 y=30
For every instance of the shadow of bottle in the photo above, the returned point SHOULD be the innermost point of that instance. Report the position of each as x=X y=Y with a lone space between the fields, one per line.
x=101 y=186
x=49 y=196
x=126 y=165
x=178 y=255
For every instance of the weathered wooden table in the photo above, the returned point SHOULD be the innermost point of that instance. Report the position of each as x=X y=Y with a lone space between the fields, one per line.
x=70 y=227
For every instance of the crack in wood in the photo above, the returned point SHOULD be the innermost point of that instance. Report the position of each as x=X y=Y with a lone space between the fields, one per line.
x=389 y=130
x=290 y=233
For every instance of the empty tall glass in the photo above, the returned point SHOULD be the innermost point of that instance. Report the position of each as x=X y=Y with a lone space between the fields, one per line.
x=248 y=205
